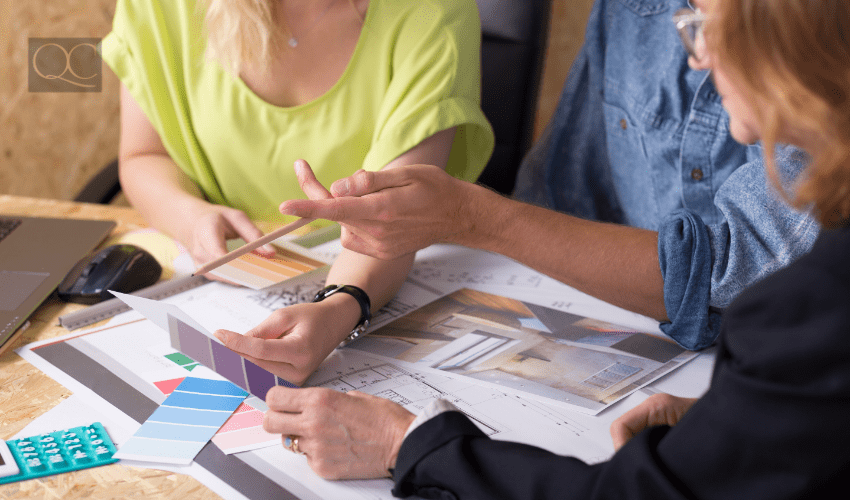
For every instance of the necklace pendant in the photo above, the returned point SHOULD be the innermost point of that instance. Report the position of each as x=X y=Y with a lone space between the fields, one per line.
x=293 y=42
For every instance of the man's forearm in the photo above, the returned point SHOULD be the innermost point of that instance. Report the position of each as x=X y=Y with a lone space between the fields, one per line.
x=618 y=264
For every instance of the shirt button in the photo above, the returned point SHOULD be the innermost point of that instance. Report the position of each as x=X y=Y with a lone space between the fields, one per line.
x=696 y=174
x=623 y=124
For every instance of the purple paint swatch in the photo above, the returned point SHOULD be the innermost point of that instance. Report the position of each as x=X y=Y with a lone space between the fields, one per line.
x=228 y=364
x=259 y=380
x=286 y=383
x=194 y=344
x=222 y=360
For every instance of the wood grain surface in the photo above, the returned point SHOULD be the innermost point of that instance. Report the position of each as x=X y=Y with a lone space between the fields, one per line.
x=26 y=393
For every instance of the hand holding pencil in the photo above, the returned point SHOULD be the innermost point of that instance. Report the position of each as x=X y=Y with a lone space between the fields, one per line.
x=311 y=187
x=224 y=259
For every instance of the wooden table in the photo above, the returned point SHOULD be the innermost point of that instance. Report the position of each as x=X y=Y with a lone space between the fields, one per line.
x=26 y=392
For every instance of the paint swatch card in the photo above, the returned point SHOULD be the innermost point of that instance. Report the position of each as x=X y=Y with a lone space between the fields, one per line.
x=257 y=272
x=208 y=351
x=243 y=431
x=191 y=339
x=184 y=423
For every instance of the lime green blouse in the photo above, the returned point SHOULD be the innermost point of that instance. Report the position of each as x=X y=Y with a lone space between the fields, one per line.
x=414 y=72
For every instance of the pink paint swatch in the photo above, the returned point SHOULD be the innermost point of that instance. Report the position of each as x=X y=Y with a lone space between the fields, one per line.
x=244 y=431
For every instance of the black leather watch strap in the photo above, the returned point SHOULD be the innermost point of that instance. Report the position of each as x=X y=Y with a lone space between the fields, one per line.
x=362 y=299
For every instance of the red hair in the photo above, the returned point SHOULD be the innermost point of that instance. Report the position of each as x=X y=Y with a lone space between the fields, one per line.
x=793 y=58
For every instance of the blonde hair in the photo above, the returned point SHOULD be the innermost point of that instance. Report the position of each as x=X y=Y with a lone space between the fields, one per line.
x=793 y=56
x=246 y=32
x=241 y=32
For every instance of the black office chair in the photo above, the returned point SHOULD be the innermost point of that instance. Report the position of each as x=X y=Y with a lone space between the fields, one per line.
x=513 y=45
x=103 y=187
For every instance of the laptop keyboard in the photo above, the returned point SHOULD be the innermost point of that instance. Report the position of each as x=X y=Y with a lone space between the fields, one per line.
x=7 y=226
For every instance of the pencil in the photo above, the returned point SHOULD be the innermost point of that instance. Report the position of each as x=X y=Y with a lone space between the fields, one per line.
x=277 y=233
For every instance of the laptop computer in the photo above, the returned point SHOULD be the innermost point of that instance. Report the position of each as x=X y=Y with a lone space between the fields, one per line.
x=35 y=255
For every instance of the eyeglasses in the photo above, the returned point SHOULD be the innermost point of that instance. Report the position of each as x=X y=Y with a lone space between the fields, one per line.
x=689 y=24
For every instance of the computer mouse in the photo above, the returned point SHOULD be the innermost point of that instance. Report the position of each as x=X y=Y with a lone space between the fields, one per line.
x=123 y=268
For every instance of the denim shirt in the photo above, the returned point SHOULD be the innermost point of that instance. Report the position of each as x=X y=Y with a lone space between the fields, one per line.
x=641 y=139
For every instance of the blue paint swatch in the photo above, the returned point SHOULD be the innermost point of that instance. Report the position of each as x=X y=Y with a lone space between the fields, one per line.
x=186 y=416
x=214 y=387
x=185 y=421
x=202 y=401
x=174 y=432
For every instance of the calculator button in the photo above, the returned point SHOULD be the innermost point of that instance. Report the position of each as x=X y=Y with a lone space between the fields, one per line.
x=35 y=464
x=80 y=457
x=58 y=461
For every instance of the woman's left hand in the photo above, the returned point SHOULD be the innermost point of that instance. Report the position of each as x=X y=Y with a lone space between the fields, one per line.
x=344 y=435
x=294 y=340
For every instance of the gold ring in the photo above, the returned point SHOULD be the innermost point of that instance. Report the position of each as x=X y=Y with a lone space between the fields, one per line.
x=291 y=444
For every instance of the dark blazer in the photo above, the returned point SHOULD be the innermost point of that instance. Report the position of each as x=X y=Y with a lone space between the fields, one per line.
x=775 y=423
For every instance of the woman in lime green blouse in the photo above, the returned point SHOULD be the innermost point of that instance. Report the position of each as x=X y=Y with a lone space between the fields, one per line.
x=221 y=97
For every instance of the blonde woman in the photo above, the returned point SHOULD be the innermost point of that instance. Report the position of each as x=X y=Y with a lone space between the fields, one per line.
x=773 y=425
x=221 y=97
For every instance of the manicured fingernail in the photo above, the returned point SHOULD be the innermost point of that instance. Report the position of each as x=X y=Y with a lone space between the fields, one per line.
x=220 y=336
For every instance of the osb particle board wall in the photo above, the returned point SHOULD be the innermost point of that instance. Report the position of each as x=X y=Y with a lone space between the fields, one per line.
x=51 y=143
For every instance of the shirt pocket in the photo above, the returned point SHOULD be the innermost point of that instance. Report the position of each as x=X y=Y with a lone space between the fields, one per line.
x=631 y=170
x=644 y=62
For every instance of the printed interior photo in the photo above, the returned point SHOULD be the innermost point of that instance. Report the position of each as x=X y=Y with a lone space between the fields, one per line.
x=527 y=347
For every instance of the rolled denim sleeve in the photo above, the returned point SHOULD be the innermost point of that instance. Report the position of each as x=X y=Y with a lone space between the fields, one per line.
x=705 y=266
x=684 y=252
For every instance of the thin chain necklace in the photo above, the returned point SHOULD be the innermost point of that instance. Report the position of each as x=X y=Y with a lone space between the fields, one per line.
x=293 y=40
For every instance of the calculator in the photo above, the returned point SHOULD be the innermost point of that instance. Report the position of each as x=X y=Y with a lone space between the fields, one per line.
x=55 y=452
